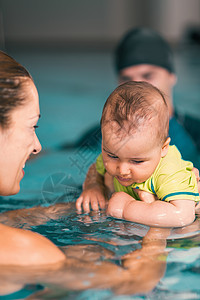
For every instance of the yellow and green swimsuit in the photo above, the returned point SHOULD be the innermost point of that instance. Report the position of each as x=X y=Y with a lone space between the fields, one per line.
x=172 y=179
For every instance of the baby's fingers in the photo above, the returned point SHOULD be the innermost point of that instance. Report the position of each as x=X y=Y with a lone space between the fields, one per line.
x=79 y=202
x=98 y=203
x=102 y=202
x=196 y=172
x=95 y=204
x=86 y=204
x=198 y=185
x=90 y=198
x=146 y=197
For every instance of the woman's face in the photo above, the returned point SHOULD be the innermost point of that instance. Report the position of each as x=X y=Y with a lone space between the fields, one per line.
x=19 y=141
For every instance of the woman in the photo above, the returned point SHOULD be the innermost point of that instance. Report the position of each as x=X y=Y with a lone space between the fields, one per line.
x=19 y=113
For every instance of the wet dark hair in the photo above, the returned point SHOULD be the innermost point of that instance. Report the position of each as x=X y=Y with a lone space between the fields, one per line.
x=133 y=104
x=13 y=77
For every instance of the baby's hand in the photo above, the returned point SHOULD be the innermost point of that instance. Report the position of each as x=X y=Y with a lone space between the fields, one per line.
x=92 y=197
x=196 y=172
x=145 y=196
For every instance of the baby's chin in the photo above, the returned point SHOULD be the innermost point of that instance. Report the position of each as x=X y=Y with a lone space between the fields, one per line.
x=129 y=181
x=124 y=181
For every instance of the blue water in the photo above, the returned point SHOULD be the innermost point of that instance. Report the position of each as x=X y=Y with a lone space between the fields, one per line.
x=73 y=88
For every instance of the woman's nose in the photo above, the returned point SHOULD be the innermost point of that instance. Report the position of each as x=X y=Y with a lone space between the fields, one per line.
x=37 y=147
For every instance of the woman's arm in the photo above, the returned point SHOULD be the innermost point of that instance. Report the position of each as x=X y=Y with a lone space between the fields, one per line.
x=176 y=213
x=27 y=248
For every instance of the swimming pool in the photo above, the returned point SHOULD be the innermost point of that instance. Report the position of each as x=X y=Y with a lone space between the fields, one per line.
x=107 y=258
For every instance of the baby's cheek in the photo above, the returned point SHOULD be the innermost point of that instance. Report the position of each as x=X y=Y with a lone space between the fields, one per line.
x=111 y=170
x=107 y=165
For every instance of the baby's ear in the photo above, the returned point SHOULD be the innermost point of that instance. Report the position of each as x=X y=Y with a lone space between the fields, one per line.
x=165 y=147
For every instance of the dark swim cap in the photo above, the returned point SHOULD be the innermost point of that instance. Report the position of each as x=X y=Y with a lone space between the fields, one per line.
x=143 y=46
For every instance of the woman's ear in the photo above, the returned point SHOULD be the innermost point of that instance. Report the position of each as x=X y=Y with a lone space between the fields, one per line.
x=165 y=147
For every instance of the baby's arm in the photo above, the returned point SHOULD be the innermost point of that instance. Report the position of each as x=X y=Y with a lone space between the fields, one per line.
x=176 y=213
x=94 y=192
x=108 y=181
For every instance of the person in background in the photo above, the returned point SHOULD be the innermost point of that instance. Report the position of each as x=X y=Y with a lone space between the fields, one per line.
x=143 y=55
x=19 y=114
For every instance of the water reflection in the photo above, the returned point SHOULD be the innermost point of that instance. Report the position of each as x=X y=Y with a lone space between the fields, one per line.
x=121 y=258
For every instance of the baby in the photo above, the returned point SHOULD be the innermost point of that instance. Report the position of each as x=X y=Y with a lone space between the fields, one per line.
x=152 y=184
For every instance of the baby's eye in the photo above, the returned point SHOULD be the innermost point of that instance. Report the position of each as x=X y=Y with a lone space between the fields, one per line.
x=112 y=156
x=137 y=161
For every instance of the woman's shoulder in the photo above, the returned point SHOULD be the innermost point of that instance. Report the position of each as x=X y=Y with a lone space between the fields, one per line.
x=24 y=247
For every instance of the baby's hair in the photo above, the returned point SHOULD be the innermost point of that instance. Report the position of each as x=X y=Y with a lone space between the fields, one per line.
x=134 y=104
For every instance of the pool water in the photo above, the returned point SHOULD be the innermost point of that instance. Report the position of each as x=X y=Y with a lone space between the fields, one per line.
x=107 y=258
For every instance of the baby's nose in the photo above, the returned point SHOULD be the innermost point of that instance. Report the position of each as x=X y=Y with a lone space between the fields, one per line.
x=124 y=169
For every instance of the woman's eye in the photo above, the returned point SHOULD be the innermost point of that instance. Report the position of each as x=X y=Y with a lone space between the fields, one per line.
x=35 y=127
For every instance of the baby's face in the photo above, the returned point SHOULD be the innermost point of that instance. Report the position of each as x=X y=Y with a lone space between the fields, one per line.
x=130 y=158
